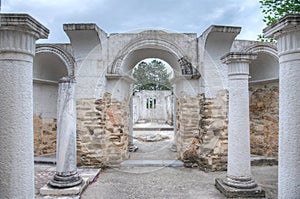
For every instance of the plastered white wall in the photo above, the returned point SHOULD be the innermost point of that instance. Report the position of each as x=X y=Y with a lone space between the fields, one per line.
x=45 y=100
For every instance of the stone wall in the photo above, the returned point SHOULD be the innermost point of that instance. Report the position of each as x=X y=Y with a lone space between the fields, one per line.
x=153 y=106
x=188 y=119
x=264 y=110
x=44 y=136
x=213 y=156
x=207 y=119
x=102 y=131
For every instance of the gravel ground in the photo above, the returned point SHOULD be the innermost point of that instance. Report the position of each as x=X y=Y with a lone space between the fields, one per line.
x=158 y=150
x=175 y=183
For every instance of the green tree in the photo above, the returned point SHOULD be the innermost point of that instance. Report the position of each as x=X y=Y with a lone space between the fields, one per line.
x=151 y=76
x=274 y=10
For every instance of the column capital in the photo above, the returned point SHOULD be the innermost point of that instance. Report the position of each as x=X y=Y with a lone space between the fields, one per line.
x=238 y=57
x=288 y=23
x=25 y=23
x=19 y=33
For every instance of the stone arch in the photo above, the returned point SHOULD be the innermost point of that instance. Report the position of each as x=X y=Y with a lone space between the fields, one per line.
x=266 y=66
x=156 y=44
x=263 y=99
x=265 y=48
x=66 y=58
x=50 y=64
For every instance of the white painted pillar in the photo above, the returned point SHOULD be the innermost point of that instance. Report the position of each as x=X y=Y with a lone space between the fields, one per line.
x=66 y=165
x=18 y=33
x=238 y=182
x=287 y=33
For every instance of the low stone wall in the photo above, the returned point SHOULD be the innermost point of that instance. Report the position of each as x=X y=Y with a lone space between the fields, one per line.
x=264 y=117
x=188 y=119
x=44 y=136
x=102 y=131
x=206 y=119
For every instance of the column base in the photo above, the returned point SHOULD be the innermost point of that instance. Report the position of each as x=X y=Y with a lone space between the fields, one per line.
x=48 y=190
x=65 y=181
x=244 y=188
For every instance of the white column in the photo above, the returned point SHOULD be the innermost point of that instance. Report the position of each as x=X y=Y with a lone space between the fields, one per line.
x=18 y=33
x=287 y=33
x=238 y=182
x=66 y=167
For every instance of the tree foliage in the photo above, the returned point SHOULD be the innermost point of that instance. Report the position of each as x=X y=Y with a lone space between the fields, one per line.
x=275 y=9
x=151 y=76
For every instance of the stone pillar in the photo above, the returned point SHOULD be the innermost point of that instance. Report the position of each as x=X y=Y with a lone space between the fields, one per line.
x=66 y=168
x=130 y=135
x=287 y=33
x=238 y=182
x=174 y=144
x=18 y=33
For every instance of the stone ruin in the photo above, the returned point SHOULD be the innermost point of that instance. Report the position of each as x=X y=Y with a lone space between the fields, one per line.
x=198 y=107
x=211 y=77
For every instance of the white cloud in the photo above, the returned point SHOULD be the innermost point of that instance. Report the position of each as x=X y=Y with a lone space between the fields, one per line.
x=123 y=16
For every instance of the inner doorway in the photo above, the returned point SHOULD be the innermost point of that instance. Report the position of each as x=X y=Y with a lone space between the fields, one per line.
x=153 y=111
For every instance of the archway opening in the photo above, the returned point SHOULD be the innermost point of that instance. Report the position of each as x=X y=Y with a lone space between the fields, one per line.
x=264 y=105
x=152 y=110
x=48 y=68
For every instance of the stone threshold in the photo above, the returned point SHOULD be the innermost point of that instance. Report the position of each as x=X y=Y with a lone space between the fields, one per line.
x=263 y=161
x=45 y=160
x=152 y=163
x=255 y=160
x=153 y=129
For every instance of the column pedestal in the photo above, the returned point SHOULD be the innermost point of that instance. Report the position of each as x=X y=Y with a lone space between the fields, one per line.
x=239 y=187
x=238 y=182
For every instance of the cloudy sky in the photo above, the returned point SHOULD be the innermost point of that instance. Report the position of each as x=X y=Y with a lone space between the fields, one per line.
x=132 y=15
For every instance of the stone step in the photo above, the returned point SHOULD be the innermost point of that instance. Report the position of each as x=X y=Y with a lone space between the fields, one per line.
x=152 y=163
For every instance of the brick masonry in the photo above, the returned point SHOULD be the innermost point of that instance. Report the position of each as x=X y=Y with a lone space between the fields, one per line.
x=44 y=136
x=102 y=131
x=264 y=118
x=206 y=119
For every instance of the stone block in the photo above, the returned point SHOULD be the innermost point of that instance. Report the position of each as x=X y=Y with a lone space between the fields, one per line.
x=233 y=192
x=47 y=190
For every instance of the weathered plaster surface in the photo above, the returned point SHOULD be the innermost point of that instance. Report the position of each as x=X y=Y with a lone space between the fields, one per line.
x=287 y=33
